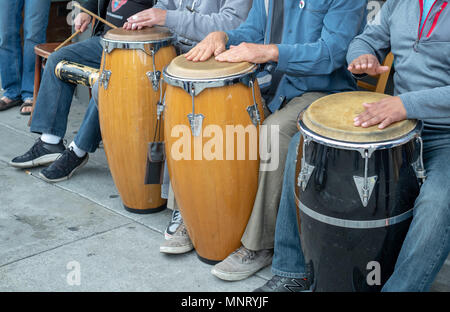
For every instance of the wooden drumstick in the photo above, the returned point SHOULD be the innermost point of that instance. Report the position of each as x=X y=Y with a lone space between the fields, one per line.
x=68 y=40
x=94 y=15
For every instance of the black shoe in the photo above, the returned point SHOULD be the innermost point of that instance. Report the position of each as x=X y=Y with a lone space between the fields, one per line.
x=285 y=284
x=63 y=167
x=40 y=154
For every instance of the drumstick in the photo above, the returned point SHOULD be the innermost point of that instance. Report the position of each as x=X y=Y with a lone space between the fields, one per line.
x=94 y=15
x=68 y=40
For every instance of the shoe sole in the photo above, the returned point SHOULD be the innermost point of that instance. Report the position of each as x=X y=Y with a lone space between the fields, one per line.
x=40 y=161
x=175 y=250
x=43 y=177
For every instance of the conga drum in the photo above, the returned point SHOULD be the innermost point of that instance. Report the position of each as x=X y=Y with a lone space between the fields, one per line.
x=355 y=192
x=129 y=94
x=212 y=115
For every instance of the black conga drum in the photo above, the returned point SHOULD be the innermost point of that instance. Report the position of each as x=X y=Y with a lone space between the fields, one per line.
x=355 y=193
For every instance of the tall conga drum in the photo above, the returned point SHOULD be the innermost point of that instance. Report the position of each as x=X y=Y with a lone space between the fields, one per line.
x=129 y=93
x=355 y=192
x=212 y=115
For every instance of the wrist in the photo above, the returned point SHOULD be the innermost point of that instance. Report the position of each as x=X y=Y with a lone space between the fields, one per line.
x=273 y=52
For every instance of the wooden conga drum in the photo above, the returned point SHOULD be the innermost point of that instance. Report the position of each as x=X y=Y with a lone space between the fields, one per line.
x=129 y=92
x=355 y=192
x=214 y=174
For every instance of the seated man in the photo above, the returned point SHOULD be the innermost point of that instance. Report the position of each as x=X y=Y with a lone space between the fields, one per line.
x=420 y=94
x=308 y=42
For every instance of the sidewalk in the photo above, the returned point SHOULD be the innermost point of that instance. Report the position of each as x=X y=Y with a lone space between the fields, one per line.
x=45 y=227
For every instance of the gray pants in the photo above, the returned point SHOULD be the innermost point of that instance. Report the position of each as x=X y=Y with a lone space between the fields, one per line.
x=260 y=231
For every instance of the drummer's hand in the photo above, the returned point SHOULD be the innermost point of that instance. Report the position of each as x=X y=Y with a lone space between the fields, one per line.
x=146 y=18
x=382 y=113
x=250 y=52
x=82 y=21
x=213 y=44
x=367 y=64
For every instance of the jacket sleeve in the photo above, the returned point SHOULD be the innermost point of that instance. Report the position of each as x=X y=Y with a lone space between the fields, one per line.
x=341 y=24
x=165 y=5
x=437 y=102
x=196 y=26
x=253 y=29
x=375 y=39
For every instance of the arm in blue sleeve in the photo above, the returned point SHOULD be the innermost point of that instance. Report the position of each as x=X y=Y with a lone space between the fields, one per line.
x=341 y=24
x=165 y=5
x=254 y=27
x=376 y=38
x=427 y=104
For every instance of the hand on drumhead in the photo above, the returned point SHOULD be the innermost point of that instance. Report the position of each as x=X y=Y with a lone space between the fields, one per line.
x=146 y=18
x=213 y=44
x=82 y=21
x=250 y=52
x=382 y=113
x=367 y=64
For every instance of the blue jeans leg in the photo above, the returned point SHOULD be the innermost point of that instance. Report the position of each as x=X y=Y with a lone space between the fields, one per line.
x=288 y=259
x=427 y=243
x=11 y=47
x=34 y=27
x=55 y=96
x=89 y=135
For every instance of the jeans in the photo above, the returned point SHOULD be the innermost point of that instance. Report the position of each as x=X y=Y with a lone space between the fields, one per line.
x=55 y=96
x=17 y=63
x=427 y=243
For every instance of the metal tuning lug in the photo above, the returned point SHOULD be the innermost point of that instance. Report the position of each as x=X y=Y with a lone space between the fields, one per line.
x=252 y=110
x=104 y=78
x=366 y=184
x=418 y=165
x=196 y=122
x=307 y=169
x=155 y=77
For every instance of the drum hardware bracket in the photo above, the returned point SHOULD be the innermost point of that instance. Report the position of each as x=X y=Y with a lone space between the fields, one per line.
x=366 y=184
x=418 y=165
x=195 y=120
x=253 y=109
x=104 y=78
x=155 y=75
x=307 y=169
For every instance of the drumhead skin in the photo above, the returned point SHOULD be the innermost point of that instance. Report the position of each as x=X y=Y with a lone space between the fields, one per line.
x=333 y=117
x=148 y=34
x=181 y=68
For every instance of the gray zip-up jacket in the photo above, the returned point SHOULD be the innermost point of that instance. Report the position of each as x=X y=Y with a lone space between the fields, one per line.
x=422 y=56
x=192 y=20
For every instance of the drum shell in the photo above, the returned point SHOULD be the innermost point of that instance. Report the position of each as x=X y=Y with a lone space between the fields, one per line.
x=215 y=197
x=337 y=257
x=128 y=115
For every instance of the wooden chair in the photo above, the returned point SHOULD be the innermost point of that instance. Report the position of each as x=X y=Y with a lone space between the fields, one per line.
x=382 y=79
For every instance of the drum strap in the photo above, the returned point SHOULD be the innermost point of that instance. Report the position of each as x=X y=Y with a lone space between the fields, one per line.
x=353 y=224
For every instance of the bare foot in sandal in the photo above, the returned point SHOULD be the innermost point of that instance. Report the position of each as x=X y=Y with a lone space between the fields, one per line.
x=27 y=107
x=6 y=103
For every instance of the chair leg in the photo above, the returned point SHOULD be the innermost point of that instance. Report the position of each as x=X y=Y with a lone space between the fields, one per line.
x=37 y=83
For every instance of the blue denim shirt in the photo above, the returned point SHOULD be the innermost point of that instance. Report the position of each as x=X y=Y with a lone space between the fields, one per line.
x=316 y=35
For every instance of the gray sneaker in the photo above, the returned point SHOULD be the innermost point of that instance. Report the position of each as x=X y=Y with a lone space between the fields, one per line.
x=242 y=263
x=179 y=242
x=285 y=284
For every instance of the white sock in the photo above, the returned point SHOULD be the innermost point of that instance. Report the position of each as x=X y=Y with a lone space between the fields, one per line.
x=50 y=138
x=78 y=151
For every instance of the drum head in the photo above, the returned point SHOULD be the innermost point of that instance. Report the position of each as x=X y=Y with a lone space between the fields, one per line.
x=156 y=33
x=181 y=68
x=332 y=117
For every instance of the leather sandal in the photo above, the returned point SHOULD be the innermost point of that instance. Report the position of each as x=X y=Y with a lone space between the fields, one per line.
x=26 y=104
x=4 y=105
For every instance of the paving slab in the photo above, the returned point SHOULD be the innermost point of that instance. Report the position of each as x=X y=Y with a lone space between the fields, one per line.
x=123 y=259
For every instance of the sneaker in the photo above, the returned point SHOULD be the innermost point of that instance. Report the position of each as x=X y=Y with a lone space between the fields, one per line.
x=285 y=284
x=174 y=223
x=63 y=167
x=40 y=154
x=179 y=243
x=242 y=263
